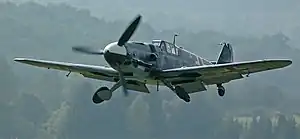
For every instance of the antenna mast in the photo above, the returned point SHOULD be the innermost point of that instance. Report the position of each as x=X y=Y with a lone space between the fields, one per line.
x=174 y=38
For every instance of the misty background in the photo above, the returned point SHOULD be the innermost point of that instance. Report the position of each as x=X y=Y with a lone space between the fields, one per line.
x=39 y=103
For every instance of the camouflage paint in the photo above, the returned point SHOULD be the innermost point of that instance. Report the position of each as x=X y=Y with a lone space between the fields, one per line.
x=176 y=57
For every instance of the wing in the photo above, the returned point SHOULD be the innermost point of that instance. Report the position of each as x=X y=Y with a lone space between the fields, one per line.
x=192 y=87
x=89 y=71
x=221 y=73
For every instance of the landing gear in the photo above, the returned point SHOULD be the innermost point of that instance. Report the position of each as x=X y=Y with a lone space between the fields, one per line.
x=221 y=90
x=102 y=94
x=181 y=93
x=96 y=99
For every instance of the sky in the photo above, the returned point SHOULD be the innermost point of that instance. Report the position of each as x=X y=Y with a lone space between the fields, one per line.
x=234 y=17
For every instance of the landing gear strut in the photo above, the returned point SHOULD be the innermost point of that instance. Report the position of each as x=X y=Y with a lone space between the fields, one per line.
x=221 y=90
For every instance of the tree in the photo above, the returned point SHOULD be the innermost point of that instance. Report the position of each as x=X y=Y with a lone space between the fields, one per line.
x=229 y=129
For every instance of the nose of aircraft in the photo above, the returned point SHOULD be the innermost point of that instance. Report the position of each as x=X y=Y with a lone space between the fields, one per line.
x=115 y=48
x=113 y=54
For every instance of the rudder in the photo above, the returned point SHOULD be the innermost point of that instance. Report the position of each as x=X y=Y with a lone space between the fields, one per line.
x=226 y=54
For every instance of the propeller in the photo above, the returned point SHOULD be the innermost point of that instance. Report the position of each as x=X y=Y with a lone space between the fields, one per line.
x=87 y=50
x=122 y=40
x=129 y=31
x=127 y=34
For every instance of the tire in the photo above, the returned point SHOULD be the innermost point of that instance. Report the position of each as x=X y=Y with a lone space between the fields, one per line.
x=182 y=94
x=101 y=95
x=96 y=99
x=104 y=93
x=221 y=91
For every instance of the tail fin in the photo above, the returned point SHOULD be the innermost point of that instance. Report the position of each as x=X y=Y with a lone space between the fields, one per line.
x=226 y=55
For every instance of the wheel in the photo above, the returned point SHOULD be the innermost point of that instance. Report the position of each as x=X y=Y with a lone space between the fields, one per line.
x=182 y=94
x=102 y=94
x=187 y=99
x=221 y=91
x=96 y=99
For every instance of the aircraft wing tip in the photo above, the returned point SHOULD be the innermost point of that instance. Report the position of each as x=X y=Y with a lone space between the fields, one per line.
x=22 y=60
x=17 y=59
x=284 y=62
x=289 y=62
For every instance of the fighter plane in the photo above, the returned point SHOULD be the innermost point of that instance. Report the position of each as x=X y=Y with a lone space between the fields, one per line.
x=133 y=65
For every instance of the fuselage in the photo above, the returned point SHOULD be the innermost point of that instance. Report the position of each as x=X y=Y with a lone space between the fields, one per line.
x=136 y=58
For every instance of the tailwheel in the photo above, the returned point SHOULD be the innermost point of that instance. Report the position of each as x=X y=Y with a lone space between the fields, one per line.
x=221 y=90
x=101 y=94
x=181 y=93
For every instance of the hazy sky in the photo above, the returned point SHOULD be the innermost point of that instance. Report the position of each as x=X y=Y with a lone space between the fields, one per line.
x=239 y=17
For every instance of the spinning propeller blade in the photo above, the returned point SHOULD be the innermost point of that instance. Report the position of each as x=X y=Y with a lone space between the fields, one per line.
x=87 y=50
x=122 y=81
x=129 y=31
x=123 y=39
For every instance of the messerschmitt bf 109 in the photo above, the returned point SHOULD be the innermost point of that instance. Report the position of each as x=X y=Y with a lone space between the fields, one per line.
x=134 y=64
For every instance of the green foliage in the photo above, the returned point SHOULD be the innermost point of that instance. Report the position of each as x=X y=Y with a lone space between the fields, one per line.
x=39 y=103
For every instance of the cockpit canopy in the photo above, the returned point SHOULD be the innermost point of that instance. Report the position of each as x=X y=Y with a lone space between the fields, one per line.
x=166 y=46
x=156 y=42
